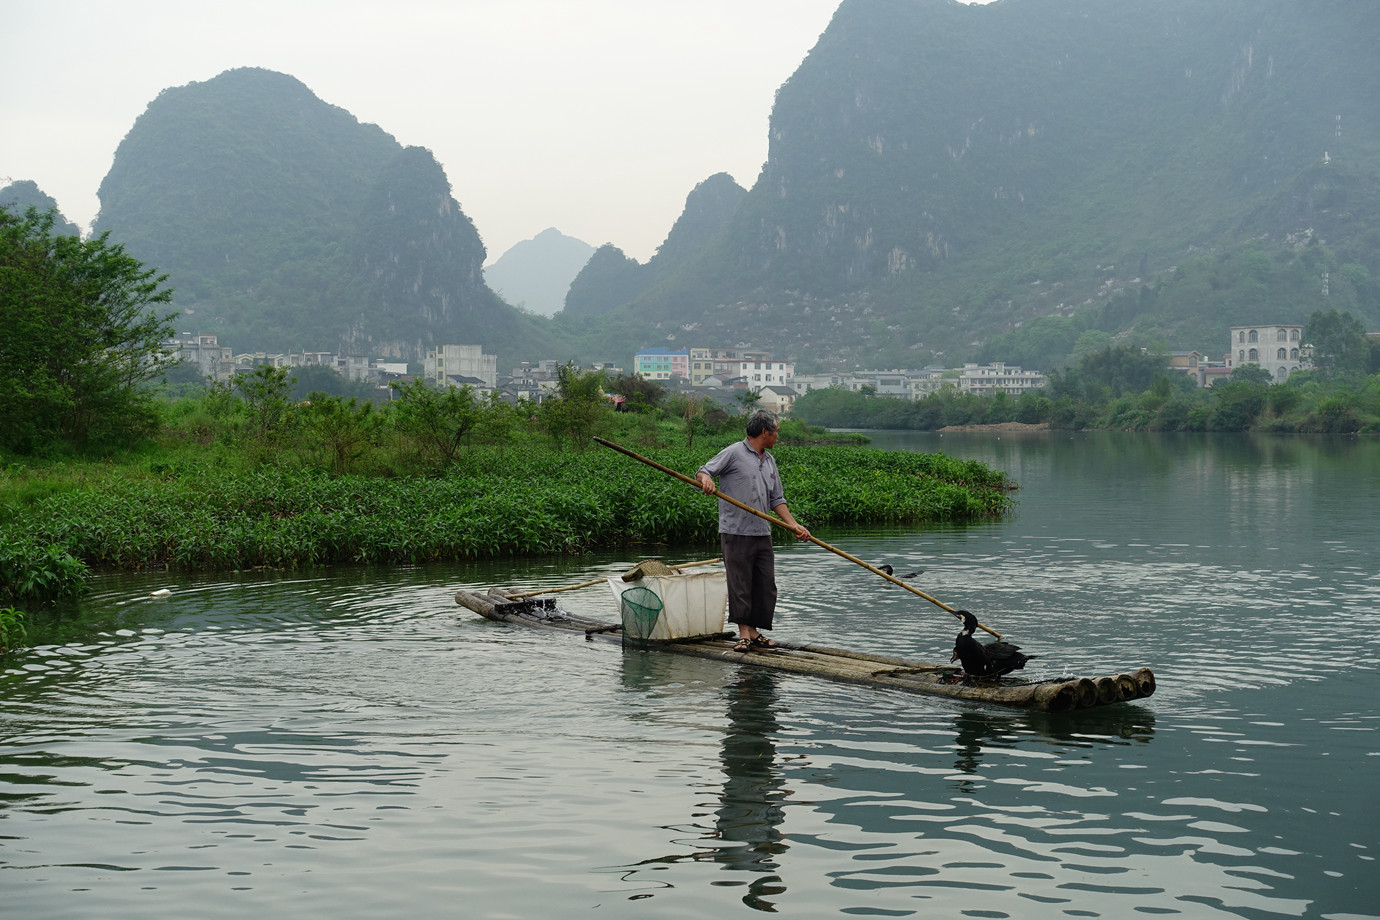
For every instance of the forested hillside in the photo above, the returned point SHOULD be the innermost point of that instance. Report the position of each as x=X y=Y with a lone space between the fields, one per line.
x=611 y=279
x=941 y=175
x=24 y=194
x=286 y=224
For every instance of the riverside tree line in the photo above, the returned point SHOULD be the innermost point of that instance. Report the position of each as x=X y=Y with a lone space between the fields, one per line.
x=1124 y=388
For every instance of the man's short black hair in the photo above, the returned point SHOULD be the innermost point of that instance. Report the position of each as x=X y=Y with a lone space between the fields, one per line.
x=761 y=420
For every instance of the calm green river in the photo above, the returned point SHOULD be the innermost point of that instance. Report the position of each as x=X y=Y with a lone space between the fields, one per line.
x=354 y=744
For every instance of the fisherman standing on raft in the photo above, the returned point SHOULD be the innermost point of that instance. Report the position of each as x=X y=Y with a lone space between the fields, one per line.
x=747 y=473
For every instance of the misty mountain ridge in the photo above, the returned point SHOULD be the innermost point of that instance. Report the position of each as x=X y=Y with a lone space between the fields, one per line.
x=18 y=197
x=944 y=182
x=535 y=274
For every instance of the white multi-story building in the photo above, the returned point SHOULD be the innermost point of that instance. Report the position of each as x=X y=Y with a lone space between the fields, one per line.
x=726 y=363
x=764 y=372
x=1276 y=348
x=997 y=377
x=211 y=359
x=447 y=364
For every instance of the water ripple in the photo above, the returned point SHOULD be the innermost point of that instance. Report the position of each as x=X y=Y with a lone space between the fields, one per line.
x=354 y=743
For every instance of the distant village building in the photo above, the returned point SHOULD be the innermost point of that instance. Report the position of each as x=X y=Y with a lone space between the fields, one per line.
x=246 y=362
x=354 y=367
x=899 y=384
x=723 y=363
x=997 y=377
x=779 y=399
x=535 y=382
x=203 y=350
x=930 y=381
x=220 y=363
x=1204 y=371
x=804 y=383
x=702 y=365
x=1210 y=373
x=713 y=366
x=1185 y=362
x=763 y=372
x=460 y=365
x=661 y=363
x=1276 y=348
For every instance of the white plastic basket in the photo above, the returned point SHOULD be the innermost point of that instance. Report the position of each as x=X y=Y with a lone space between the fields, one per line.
x=692 y=605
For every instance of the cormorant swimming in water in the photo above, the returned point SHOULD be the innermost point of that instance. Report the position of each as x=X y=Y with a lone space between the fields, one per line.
x=991 y=660
x=890 y=571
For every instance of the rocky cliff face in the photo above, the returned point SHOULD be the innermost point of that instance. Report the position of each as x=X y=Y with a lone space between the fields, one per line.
x=422 y=263
x=285 y=223
x=941 y=173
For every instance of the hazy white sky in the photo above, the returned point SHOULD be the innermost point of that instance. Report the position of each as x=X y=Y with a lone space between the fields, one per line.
x=596 y=117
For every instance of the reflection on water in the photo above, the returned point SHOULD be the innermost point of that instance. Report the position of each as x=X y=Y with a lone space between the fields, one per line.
x=979 y=731
x=749 y=818
x=352 y=743
x=745 y=836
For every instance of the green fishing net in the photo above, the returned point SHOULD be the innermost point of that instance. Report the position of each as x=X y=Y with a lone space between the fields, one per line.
x=641 y=609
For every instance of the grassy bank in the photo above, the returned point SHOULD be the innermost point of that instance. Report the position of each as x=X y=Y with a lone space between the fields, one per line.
x=245 y=476
x=493 y=501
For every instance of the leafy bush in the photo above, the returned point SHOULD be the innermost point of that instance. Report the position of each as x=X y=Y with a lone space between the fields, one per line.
x=12 y=631
x=79 y=340
x=33 y=571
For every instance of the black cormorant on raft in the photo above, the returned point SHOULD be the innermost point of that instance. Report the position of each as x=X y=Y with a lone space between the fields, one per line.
x=991 y=660
x=1058 y=695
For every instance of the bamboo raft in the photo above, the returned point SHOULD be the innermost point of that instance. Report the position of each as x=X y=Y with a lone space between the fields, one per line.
x=1059 y=695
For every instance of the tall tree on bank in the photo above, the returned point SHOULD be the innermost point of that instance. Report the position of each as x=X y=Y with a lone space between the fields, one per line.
x=1339 y=343
x=78 y=340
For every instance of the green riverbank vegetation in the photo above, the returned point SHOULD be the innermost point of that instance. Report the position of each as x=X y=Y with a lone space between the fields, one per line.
x=245 y=476
x=12 y=629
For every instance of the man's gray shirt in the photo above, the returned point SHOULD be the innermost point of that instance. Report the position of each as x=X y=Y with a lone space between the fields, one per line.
x=750 y=479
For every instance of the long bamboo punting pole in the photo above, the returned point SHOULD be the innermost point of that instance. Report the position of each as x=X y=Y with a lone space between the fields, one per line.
x=780 y=523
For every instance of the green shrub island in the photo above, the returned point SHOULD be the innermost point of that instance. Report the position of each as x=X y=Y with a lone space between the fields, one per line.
x=198 y=513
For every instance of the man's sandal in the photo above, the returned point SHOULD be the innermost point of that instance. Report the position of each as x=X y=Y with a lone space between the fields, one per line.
x=763 y=642
x=742 y=645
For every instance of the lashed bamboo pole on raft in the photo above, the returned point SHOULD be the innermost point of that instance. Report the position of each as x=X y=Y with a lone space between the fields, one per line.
x=599 y=581
x=780 y=523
